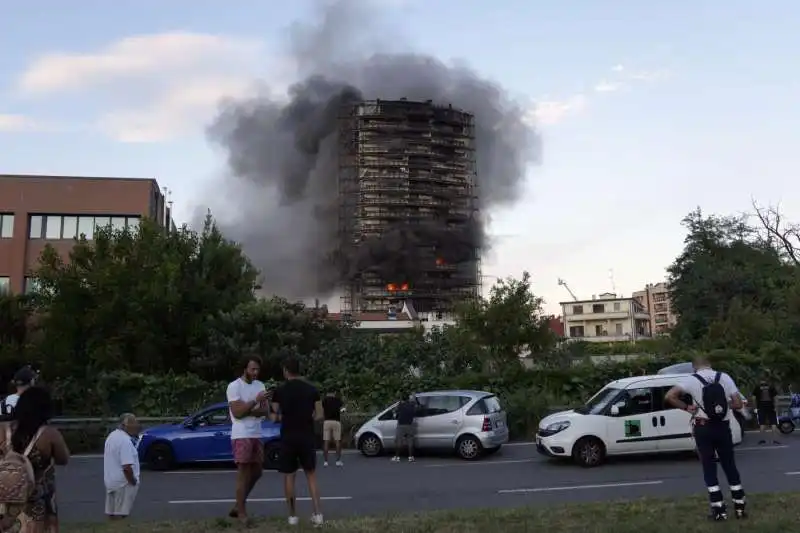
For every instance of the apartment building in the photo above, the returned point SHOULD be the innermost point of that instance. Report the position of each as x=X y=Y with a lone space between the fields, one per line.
x=656 y=299
x=40 y=210
x=606 y=318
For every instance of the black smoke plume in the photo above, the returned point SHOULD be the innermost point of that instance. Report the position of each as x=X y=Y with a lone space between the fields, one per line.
x=283 y=160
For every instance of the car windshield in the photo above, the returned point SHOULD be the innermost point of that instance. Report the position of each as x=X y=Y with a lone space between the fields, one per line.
x=598 y=402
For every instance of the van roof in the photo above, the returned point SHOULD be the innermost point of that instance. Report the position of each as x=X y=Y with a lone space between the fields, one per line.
x=653 y=380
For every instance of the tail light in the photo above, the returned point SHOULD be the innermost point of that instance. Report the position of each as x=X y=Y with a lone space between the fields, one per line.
x=487 y=424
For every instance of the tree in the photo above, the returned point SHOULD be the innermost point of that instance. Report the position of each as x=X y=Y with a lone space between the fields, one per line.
x=137 y=301
x=14 y=318
x=264 y=328
x=509 y=324
x=731 y=287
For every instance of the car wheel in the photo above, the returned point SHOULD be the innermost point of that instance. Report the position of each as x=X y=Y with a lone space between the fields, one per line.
x=589 y=452
x=786 y=427
x=160 y=456
x=272 y=455
x=469 y=448
x=370 y=445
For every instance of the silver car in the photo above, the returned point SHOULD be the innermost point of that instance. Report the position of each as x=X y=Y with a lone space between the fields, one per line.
x=472 y=423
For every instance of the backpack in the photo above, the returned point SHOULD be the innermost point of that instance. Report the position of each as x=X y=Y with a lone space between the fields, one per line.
x=17 y=480
x=715 y=400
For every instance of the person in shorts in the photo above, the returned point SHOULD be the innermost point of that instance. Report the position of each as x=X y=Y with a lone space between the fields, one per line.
x=121 y=470
x=247 y=398
x=764 y=395
x=332 y=407
x=406 y=413
x=299 y=405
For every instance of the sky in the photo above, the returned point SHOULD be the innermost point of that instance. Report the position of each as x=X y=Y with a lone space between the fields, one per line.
x=646 y=110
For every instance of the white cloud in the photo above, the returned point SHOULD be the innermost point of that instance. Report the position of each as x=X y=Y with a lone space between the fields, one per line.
x=160 y=86
x=553 y=111
x=607 y=87
x=172 y=53
x=183 y=109
x=16 y=123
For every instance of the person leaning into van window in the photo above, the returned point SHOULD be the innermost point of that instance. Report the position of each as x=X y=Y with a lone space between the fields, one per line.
x=30 y=431
x=714 y=396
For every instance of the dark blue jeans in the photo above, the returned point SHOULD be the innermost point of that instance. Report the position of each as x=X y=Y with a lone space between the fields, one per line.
x=714 y=440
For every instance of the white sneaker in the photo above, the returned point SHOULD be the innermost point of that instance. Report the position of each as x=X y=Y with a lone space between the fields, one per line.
x=395 y=459
x=411 y=459
x=316 y=519
x=339 y=463
x=325 y=463
x=293 y=521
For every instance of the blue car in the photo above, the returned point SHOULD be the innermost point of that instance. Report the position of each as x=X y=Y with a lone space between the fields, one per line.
x=204 y=437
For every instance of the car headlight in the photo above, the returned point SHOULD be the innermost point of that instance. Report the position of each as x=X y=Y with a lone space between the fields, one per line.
x=557 y=427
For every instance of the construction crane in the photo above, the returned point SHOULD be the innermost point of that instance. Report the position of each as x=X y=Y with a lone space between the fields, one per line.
x=564 y=284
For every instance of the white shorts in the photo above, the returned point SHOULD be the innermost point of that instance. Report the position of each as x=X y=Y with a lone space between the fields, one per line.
x=120 y=502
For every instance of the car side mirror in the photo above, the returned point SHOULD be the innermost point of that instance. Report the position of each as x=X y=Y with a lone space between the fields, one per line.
x=614 y=410
x=191 y=424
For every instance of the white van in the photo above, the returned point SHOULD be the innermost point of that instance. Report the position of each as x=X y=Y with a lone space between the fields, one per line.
x=628 y=416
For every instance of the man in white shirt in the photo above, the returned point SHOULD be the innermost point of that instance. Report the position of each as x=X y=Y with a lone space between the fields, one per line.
x=714 y=396
x=121 y=468
x=247 y=398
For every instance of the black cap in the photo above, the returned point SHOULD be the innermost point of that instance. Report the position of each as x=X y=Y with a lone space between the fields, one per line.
x=24 y=376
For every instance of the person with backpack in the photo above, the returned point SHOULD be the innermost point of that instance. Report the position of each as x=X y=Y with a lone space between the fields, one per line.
x=712 y=398
x=29 y=451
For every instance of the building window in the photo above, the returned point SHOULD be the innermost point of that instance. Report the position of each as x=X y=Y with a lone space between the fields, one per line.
x=617 y=306
x=31 y=285
x=598 y=308
x=618 y=329
x=577 y=310
x=660 y=308
x=5 y=285
x=68 y=227
x=576 y=331
x=599 y=331
x=6 y=226
x=661 y=319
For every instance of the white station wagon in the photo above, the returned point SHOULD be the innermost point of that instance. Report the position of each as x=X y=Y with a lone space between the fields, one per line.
x=628 y=416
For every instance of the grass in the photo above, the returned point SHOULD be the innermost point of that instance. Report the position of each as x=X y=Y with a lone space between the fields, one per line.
x=770 y=513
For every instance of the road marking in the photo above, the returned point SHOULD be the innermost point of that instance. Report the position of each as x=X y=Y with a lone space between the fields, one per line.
x=751 y=448
x=256 y=500
x=215 y=472
x=482 y=463
x=580 y=487
x=792 y=473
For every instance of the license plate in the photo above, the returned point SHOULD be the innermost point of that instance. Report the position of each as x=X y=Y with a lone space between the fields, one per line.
x=538 y=441
x=499 y=424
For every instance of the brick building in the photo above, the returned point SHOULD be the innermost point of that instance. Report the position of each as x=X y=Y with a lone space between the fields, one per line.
x=40 y=210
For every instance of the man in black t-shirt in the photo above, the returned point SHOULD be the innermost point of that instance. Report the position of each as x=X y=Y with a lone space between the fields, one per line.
x=764 y=395
x=332 y=407
x=299 y=405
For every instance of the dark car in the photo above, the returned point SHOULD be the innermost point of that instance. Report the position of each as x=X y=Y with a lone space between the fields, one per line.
x=204 y=437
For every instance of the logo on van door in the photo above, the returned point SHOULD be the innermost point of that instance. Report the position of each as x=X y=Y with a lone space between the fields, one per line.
x=633 y=428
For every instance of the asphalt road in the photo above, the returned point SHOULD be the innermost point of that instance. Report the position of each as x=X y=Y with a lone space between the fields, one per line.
x=516 y=476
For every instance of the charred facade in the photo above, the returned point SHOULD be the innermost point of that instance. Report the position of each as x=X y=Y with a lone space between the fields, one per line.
x=409 y=224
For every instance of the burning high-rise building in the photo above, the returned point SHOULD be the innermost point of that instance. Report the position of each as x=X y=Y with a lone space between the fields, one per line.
x=409 y=225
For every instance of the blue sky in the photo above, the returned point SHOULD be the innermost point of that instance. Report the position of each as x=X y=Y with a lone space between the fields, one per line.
x=646 y=109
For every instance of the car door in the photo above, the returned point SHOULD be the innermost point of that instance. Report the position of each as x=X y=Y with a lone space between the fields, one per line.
x=439 y=420
x=386 y=426
x=633 y=430
x=209 y=437
x=674 y=425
